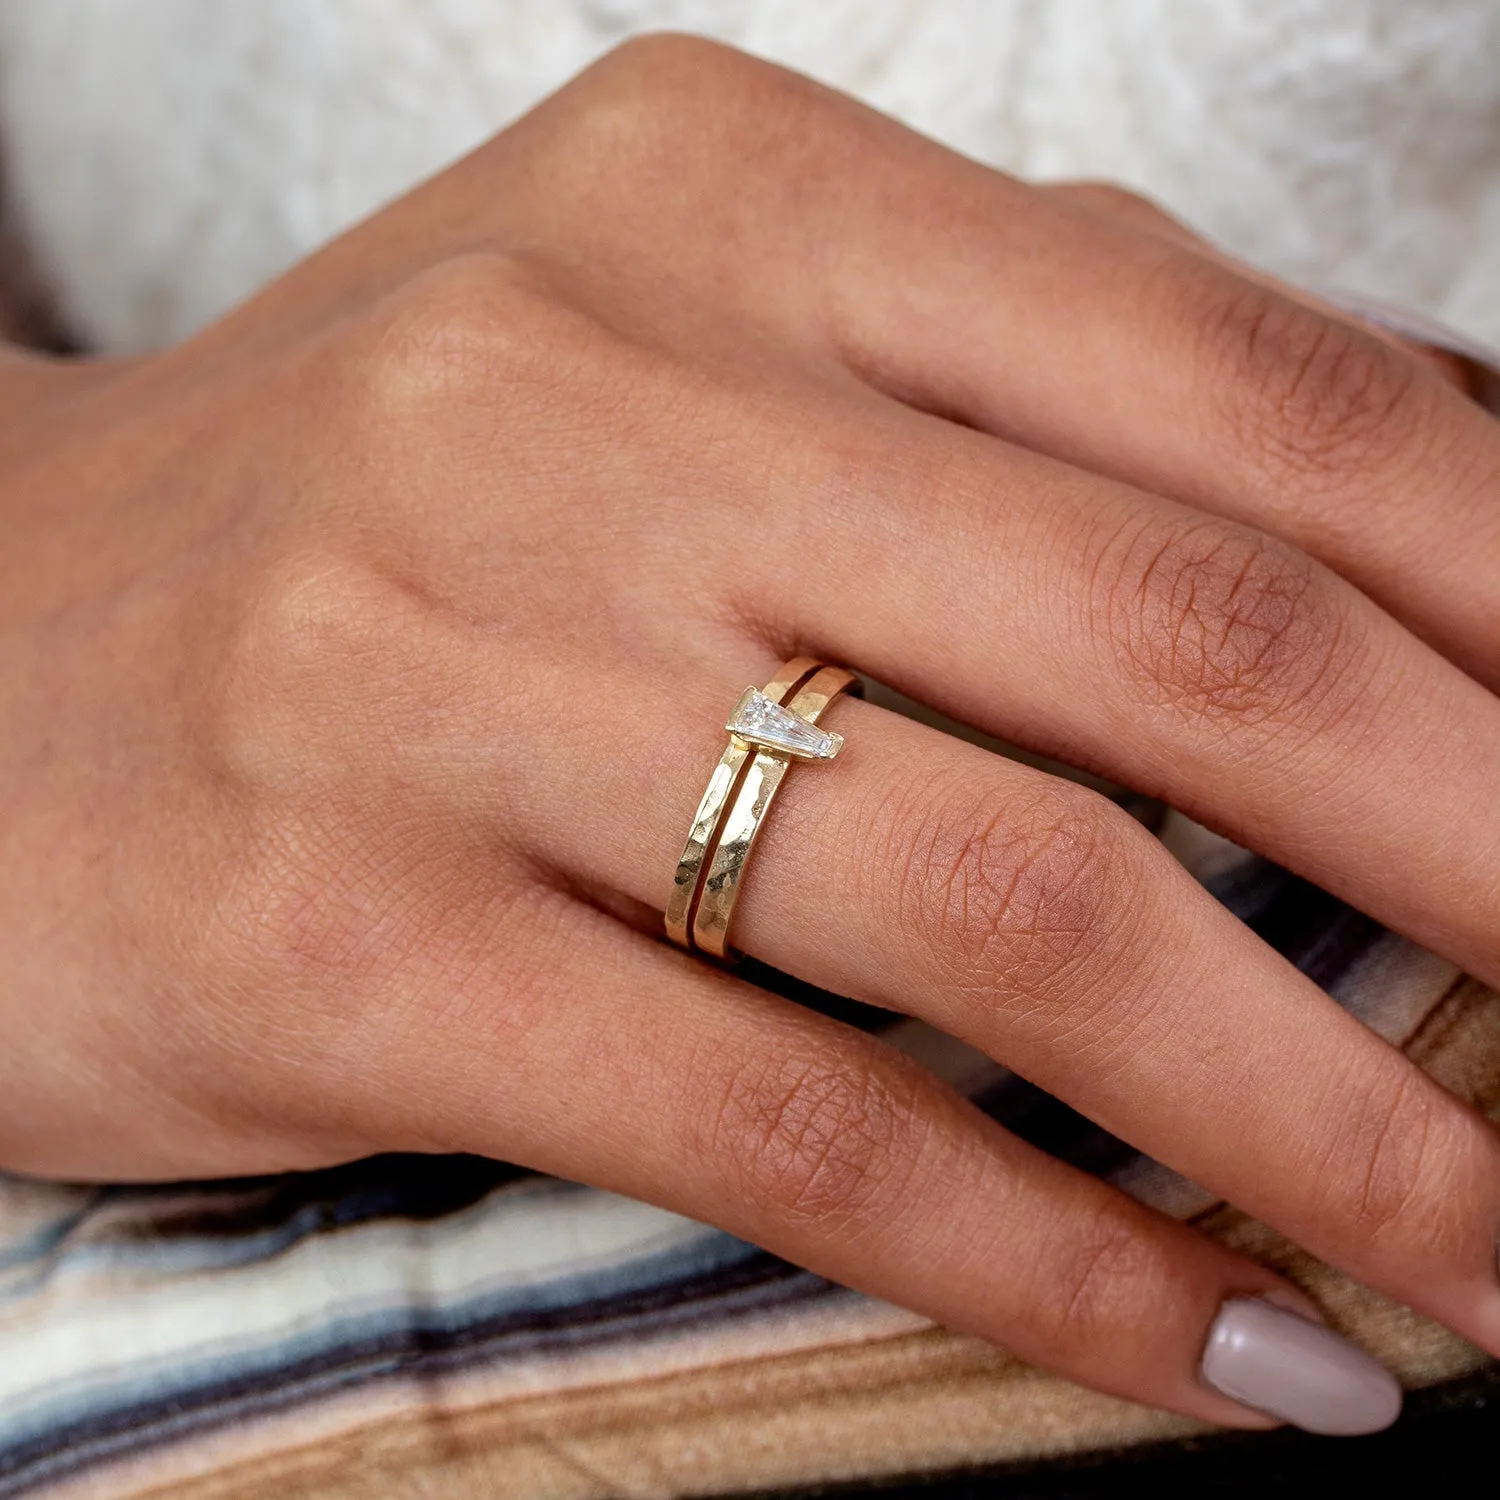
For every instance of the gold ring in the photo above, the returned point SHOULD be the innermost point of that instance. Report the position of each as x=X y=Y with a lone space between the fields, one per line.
x=768 y=729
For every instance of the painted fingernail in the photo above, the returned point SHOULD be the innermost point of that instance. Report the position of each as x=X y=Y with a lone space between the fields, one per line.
x=1302 y=1372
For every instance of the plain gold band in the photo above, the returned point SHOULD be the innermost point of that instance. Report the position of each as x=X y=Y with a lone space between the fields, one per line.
x=721 y=788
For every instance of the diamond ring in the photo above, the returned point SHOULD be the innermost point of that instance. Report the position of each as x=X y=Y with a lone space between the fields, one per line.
x=769 y=728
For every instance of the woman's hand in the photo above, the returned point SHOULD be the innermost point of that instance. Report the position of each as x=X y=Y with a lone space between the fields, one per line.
x=363 y=659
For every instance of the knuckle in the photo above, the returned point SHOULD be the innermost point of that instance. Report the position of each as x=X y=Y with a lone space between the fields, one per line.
x=662 y=105
x=1104 y=1276
x=632 y=102
x=817 y=1141
x=317 y=624
x=1021 y=895
x=666 y=76
x=334 y=674
x=1308 y=399
x=458 y=335
x=657 y=57
x=1395 y=1162
x=1225 y=625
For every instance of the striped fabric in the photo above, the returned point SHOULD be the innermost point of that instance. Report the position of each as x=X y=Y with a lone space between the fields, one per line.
x=454 y=1327
x=153 y=1336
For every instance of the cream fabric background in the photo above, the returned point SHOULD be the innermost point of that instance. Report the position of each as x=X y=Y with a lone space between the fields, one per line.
x=167 y=156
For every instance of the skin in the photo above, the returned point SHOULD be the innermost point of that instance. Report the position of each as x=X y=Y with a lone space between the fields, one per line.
x=363 y=658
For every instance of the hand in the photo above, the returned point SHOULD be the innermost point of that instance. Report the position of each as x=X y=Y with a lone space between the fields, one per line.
x=362 y=661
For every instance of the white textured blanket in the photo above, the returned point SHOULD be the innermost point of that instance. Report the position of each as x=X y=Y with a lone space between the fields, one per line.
x=167 y=157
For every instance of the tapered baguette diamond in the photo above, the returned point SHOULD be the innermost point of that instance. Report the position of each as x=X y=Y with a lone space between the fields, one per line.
x=762 y=721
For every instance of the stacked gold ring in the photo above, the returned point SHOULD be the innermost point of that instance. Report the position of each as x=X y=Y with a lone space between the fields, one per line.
x=769 y=728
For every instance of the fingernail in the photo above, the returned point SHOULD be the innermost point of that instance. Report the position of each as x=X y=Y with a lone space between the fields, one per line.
x=1302 y=1372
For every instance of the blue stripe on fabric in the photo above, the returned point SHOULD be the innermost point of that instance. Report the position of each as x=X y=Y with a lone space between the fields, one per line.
x=48 y=1238
x=652 y=1297
x=190 y=1254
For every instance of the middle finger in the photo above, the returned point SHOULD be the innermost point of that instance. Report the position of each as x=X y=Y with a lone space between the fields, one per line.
x=1185 y=656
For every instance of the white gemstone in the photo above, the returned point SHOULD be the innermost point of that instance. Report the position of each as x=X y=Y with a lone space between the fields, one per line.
x=762 y=721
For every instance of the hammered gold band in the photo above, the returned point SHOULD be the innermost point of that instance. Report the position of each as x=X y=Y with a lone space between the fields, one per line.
x=769 y=728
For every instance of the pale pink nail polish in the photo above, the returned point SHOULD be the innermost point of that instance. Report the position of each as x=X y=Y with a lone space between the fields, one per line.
x=1302 y=1372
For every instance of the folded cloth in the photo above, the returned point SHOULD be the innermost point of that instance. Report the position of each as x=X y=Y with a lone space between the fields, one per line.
x=452 y=1326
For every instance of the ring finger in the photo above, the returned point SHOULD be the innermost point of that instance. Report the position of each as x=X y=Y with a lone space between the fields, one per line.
x=1034 y=920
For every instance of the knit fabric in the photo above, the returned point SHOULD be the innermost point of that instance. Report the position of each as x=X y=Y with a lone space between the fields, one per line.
x=165 y=159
